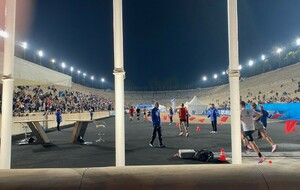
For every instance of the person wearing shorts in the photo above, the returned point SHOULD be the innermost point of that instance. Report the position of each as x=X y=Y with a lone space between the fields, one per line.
x=131 y=112
x=183 y=112
x=260 y=127
x=248 y=128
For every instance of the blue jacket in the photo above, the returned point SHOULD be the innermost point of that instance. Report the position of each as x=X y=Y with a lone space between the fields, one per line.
x=58 y=117
x=213 y=114
x=155 y=115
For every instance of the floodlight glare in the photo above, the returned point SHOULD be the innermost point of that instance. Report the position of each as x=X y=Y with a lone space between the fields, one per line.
x=3 y=34
x=84 y=74
x=92 y=77
x=250 y=63
x=223 y=73
x=240 y=67
x=298 y=42
x=71 y=69
x=204 y=78
x=40 y=53
x=24 y=45
x=53 y=60
x=78 y=71
x=63 y=65
x=215 y=76
x=263 y=57
x=102 y=80
x=279 y=50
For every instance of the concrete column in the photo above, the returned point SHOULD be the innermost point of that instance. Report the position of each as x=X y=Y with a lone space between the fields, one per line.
x=8 y=85
x=234 y=84
x=119 y=83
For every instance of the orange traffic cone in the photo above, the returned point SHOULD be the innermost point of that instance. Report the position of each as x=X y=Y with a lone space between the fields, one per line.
x=198 y=129
x=222 y=155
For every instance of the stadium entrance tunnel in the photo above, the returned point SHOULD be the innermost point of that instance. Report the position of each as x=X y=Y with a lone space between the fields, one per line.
x=155 y=177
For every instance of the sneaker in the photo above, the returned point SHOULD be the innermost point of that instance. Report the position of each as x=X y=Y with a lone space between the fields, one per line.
x=249 y=146
x=247 y=151
x=216 y=132
x=187 y=134
x=259 y=137
x=170 y=123
x=151 y=145
x=212 y=132
x=261 y=159
x=162 y=146
x=274 y=147
x=181 y=133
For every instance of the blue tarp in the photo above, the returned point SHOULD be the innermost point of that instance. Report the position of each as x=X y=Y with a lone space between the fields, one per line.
x=290 y=111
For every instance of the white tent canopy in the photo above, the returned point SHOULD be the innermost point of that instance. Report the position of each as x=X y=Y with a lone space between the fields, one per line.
x=195 y=106
x=28 y=73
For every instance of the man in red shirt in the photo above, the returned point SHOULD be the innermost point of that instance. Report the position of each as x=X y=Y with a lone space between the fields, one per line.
x=131 y=112
x=183 y=112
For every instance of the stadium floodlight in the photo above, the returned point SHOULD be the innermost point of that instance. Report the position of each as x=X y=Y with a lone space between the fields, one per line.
x=24 y=45
x=279 y=50
x=102 y=79
x=53 y=61
x=215 y=76
x=92 y=77
x=3 y=34
x=63 y=65
x=224 y=73
x=263 y=57
x=78 y=71
x=84 y=74
x=71 y=69
x=240 y=67
x=204 y=78
x=250 y=63
x=40 y=53
x=298 y=42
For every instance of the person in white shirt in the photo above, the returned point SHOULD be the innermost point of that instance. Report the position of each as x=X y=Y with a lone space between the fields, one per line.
x=249 y=128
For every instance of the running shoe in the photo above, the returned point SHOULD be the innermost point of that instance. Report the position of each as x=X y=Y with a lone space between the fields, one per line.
x=151 y=145
x=247 y=151
x=216 y=132
x=187 y=134
x=162 y=146
x=181 y=133
x=249 y=146
x=212 y=132
x=274 y=147
x=261 y=159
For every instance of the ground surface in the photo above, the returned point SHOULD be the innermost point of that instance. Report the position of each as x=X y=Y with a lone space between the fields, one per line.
x=62 y=154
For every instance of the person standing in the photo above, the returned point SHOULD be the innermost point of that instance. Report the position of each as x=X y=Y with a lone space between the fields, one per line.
x=183 y=112
x=249 y=128
x=263 y=120
x=58 y=119
x=145 y=112
x=91 y=113
x=138 y=112
x=171 y=115
x=156 y=122
x=213 y=114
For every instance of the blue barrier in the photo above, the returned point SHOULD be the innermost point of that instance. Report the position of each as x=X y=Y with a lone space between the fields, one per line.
x=290 y=111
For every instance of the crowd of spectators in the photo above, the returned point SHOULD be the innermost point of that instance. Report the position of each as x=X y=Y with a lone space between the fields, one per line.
x=38 y=99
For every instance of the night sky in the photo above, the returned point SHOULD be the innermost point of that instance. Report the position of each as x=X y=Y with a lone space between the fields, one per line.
x=167 y=43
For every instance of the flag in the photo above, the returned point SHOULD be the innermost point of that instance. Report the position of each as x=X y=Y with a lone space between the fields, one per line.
x=219 y=124
x=290 y=126
x=277 y=116
x=224 y=118
x=201 y=120
x=192 y=118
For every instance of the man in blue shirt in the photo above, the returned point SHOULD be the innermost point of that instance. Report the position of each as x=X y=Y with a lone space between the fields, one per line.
x=156 y=122
x=58 y=119
x=263 y=119
x=213 y=114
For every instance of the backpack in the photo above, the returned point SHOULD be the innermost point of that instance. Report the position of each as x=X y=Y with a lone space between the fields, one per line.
x=204 y=155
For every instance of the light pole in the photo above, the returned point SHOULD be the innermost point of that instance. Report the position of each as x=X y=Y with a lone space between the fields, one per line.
x=71 y=70
x=53 y=61
x=92 y=79
x=84 y=74
x=278 y=51
x=102 y=82
x=24 y=45
x=78 y=73
x=63 y=66
x=40 y=54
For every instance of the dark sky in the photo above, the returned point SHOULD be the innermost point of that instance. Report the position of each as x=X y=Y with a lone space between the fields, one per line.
x=166 y=42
